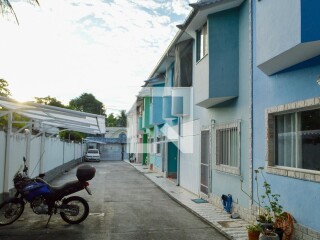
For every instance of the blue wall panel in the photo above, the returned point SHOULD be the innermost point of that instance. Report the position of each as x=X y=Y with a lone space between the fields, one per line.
x=167 y=108
x=157 y=108
x=298 y=197
x=310 y=20
x=224 y=53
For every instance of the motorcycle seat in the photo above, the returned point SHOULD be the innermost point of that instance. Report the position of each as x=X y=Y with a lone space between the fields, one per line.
x=66 y=186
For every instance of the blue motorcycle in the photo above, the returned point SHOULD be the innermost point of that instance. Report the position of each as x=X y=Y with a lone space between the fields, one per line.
x=47 y=199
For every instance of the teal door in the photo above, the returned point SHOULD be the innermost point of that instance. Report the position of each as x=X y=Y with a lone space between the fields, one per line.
x=172 y=160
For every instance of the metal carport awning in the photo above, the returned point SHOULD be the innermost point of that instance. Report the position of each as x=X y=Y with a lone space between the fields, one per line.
x=54 y=116
x=45 y=117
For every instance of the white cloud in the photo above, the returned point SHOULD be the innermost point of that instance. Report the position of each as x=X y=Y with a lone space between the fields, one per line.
x=65 y=48
x=180 y=7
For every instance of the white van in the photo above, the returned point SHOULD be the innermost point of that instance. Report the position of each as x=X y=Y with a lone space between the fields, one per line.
x=92 y=155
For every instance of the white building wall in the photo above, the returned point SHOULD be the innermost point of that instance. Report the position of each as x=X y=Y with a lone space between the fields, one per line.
x=113 y=132
x=190 y=156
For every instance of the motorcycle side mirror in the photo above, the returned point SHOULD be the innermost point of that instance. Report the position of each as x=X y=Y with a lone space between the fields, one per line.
x=42 y=175
x=25 y=169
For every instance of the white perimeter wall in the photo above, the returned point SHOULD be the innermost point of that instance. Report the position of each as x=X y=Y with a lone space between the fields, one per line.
x=55 y=154
x=2 y=156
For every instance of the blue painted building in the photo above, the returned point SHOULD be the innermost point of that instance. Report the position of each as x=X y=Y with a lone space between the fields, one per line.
x=221 y=102
x=165 y=144
x=250 y=97
x=286 y=106
x=155 y=87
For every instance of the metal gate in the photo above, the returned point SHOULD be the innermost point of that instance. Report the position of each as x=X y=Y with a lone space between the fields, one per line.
x=205 y=166
x=111 y=151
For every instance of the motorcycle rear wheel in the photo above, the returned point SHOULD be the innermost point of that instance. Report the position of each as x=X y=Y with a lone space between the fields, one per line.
x=10 y=211
x=77 y=210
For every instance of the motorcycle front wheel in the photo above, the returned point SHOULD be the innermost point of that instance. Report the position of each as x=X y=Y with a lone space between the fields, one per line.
x=10 y=211
x=74 y=210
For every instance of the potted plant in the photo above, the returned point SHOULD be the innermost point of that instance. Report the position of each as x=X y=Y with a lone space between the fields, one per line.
x=273 y=221
x=272 y=210
x=254 y=231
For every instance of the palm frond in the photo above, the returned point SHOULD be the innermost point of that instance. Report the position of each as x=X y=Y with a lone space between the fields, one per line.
x=34 y=2
x=6 y=7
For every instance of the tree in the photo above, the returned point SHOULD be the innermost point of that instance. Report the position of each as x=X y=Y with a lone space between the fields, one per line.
x=111 y=120
x=6 y=7
x=87 y=103
x=4 y=91
x=52 y=101
x=117 y=121
x=122 y=119
x=72 y=136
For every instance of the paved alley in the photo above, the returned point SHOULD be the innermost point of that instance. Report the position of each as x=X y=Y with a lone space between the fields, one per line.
x=125 y=205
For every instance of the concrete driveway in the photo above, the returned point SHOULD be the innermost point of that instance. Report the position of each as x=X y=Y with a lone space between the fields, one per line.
x=124 y=205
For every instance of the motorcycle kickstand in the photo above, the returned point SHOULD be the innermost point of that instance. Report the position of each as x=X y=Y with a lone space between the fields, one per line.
x=48 y=220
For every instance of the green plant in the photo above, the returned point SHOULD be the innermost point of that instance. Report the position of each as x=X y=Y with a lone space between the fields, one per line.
x=254 y=228
x=254 y=231
x=264 y=218
x=271 y=218
x=270 y=201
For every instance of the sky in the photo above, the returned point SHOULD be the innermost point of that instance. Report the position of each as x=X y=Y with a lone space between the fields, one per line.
x=105 y=47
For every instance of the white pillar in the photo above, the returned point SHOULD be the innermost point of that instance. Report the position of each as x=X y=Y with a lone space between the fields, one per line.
x=178 y=152
x=28 y=146
x=8 y=156
x=42 y=150
x=63 y=152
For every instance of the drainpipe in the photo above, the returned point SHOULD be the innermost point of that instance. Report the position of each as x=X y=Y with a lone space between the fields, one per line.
x=7 y=156
x=251 y=177
x=178 y=160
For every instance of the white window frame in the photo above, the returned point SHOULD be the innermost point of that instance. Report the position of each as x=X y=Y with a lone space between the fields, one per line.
x=158 y=147
x=203 y=44
x=227 y=129
x=151 y=146
x=270 y=114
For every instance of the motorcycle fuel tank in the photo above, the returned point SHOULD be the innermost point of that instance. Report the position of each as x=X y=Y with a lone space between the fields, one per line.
x=35 y=189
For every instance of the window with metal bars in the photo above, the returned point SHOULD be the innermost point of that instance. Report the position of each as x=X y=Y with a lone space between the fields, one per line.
x=158 y=145
x=227 y=140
